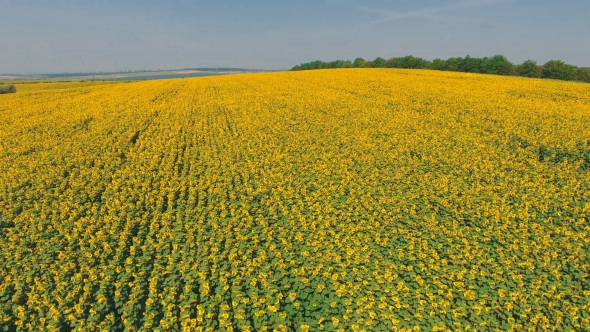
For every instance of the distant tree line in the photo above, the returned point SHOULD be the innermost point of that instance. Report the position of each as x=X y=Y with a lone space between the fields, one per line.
x=497 y=65
x=7 y=89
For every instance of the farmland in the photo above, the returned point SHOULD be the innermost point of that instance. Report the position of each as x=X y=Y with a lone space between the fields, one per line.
x=336 y=200
x=125 y=76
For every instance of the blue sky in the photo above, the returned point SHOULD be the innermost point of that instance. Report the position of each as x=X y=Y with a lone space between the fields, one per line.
x=53 y=36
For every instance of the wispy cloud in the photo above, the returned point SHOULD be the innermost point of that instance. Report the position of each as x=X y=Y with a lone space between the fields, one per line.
x=449 y=12
x=429 y=12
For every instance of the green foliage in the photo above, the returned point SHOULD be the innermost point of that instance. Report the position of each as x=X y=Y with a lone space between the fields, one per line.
x=496 y=65
x=409 y=61
x=7 y=89
x=559 y=70
x=471 y=65
x=452 y=64
x=581 y=155
x=359 y=63
x=529 y=68
x=584 y=74
x=323 y=65
x=379 y=62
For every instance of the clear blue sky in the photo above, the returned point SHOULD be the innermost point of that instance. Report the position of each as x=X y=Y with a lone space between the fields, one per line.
x=49 y=36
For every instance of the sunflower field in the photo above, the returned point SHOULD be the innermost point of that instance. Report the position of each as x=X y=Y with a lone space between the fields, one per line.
x=334 y=200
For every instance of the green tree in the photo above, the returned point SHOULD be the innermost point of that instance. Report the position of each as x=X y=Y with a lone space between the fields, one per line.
x=438 y=64
x=409 y=61
x=529 y=68
x=451 y=64
x=359 y=63
x=584 y=74
x=390 y=63
x=472 y=65
x=498 y=65
x=346 y=64
x=559 y=70
x=379 y=62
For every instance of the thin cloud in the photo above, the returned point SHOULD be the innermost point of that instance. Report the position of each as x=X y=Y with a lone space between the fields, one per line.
x=437 y=13
x=429 y=12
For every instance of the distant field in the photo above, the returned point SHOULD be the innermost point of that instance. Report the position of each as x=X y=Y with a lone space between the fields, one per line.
x=335 y=200
x=124 y=76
